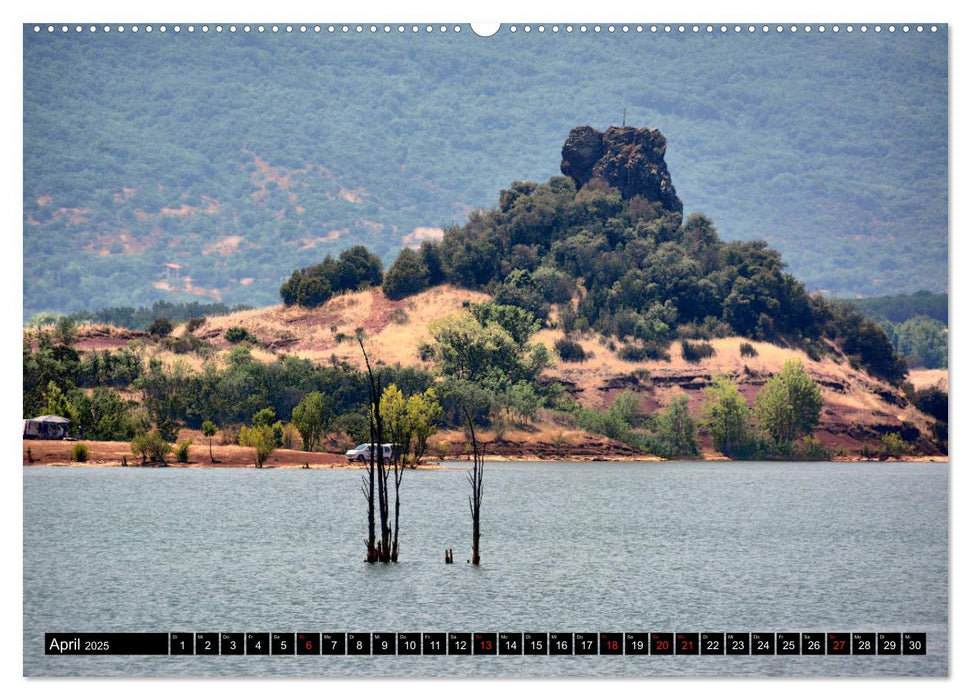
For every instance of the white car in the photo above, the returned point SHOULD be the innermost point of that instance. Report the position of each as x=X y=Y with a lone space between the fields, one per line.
x=362 y=453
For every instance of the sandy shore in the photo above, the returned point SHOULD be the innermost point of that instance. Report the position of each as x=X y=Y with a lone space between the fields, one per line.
x=57 y=453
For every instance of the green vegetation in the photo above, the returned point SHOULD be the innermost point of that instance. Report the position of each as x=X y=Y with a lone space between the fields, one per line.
x=79 y=452
x=787 y=408
x=160 y=326
x=727 y=417
x=238 y=334
x=488 y=346
x=569 y=350
x=408 y=275
x=260 y=437
x=788 y=405
x=696 y=352
x=916 y=325
x=355 y=268
x=894 y=445
x=141 y=150
x=209 y=429
x=151 y=447
x=676 y=431
x=310 y=417
x=142 y=317
x=643 y=277
x=921 y=340
x=409 y=422
x=182 y=450
x=901 y=307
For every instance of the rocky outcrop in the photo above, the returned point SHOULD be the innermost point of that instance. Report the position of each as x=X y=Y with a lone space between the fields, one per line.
x=628 y=158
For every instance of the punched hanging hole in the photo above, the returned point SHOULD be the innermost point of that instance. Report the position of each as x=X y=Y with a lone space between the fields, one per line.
x=485 y=28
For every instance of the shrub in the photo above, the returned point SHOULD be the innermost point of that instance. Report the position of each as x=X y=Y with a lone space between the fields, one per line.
x=229 y=435
x=398 y=316
x=151 y=447
x=639 y=353
x=811 y=449
x=932 y=401
x=79 y=453
x=747 y=350
x=893 y=444
x=182 y=450
x=160 y=326
x=290 y=436
x=569 y=350
x=186 y=344
x=238 y=334
x=194 y=323
x=696 y=352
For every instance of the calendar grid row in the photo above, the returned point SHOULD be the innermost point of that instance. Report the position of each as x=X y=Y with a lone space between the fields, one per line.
x=492 y=643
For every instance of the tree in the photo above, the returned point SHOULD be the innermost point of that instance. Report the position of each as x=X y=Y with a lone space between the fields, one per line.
x=65 y=331
x=788 y=405
x=260 y=437
x=309 y=416
x=209 y=429
x=522 y=401
x=519 y=323
x=266 y=418
x=466 y=349
x=676 y=429
x=475 y=481
x=394 y=409
x=406 y=276
x=923 y=341
x=357 y=267
x=103 y=415
x=56 y=404
x=489 y=346
x=423 y=413
x=377 y=475
x=727 y=417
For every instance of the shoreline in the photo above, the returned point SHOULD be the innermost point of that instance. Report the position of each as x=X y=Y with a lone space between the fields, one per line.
x=51 y=453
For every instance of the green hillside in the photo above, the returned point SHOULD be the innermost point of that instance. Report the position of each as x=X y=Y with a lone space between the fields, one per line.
x=240 y=158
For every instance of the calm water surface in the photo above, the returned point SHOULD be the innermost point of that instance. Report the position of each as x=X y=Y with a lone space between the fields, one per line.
x=565 y=547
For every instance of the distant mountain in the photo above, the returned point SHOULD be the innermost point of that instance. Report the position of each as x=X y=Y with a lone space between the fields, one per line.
x=209 y=167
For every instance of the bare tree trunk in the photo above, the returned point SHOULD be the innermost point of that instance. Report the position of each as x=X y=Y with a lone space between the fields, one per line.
x=475 y=480
x=399 y=470
x=373 y=553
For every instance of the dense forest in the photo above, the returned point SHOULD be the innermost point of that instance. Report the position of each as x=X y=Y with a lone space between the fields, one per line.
x=607 y=249
x=207 y=168
x=916 y=324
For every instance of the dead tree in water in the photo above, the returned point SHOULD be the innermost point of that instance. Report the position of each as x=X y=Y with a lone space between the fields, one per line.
x=475 y=480
x=377 y=473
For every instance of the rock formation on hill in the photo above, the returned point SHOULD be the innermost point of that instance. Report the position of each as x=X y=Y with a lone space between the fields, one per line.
x=628 y=158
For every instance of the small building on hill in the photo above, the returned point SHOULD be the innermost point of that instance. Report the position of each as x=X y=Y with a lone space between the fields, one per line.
x=46 y=428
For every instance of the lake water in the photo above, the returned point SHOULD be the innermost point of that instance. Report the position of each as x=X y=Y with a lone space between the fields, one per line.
x=597 y=547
